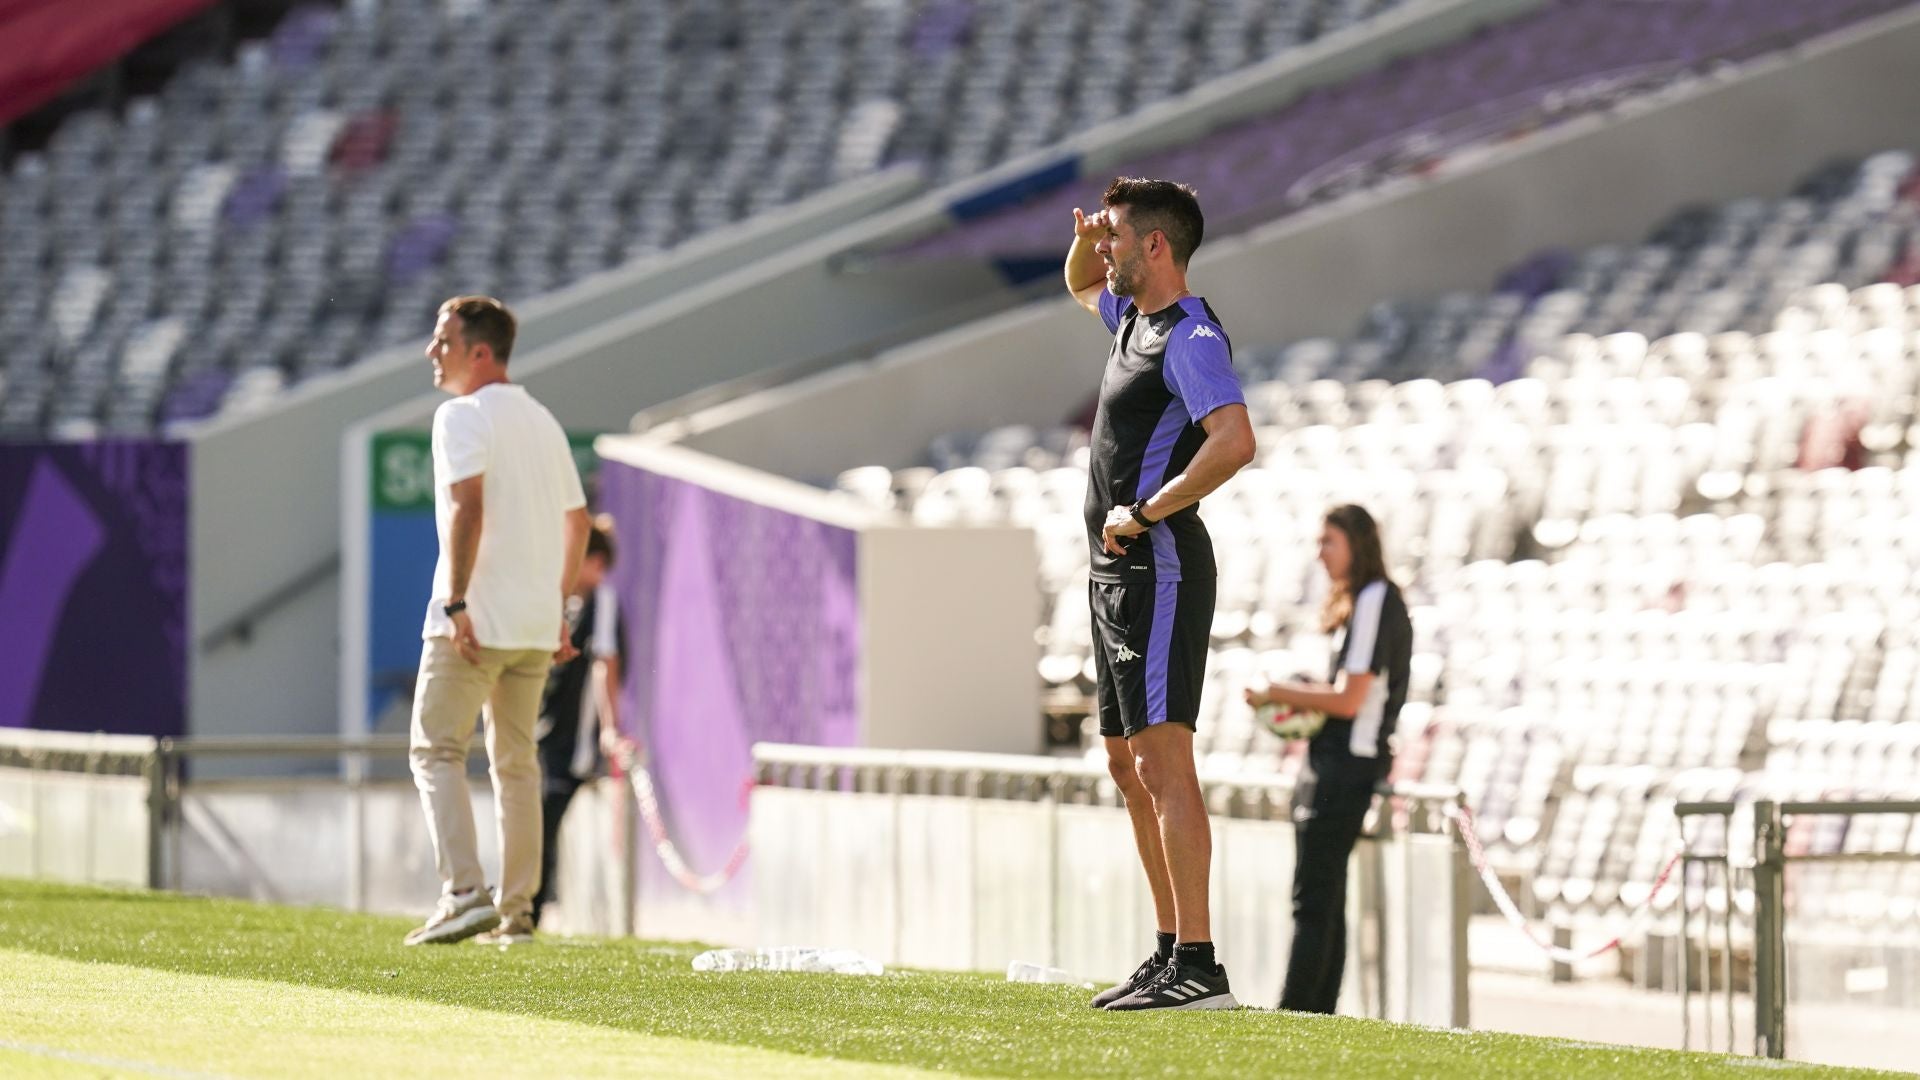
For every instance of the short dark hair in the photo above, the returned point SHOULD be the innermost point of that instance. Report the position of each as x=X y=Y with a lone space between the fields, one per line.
x=484 y=321
x=600 y=540
x=1172 y=208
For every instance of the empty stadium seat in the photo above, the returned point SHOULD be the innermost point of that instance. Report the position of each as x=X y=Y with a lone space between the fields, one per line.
x=1631 y=582
x=308 y=202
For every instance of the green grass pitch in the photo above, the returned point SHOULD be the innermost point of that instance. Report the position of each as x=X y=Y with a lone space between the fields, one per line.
x=119 y=983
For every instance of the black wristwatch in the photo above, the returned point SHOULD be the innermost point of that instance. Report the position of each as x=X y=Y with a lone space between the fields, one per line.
x=454 y=608
x=1138 y=511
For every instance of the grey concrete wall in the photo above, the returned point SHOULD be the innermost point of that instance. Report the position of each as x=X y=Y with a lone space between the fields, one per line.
x=794 y=308
x=1030 y=366
x=269 y=679
x=1603 y=179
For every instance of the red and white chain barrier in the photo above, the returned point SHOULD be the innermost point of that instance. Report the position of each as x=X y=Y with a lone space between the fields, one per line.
x=632 y=761
x=1462 y=816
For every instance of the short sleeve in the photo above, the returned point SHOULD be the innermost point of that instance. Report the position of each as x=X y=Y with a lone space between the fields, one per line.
x=1199 y=369
x=1112 y=309
x=606 y=620
x=460 y=440
x=1364 y=637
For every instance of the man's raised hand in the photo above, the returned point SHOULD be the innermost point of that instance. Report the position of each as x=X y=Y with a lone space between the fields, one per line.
x=1090 y=229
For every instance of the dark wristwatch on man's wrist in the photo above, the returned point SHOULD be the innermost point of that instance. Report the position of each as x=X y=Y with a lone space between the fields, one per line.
x=1138 y=510
x=454 y=608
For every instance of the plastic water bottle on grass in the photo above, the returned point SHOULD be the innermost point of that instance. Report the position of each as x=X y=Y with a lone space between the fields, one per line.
x=788 y=958
x=724 y=960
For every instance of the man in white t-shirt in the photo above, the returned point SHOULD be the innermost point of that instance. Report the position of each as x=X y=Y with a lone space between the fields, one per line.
x=513 y=526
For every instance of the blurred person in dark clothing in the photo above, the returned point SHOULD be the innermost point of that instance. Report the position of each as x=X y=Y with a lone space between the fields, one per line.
x=579 y=717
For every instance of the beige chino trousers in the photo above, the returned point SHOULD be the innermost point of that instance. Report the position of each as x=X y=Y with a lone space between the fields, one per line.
x=506 y=685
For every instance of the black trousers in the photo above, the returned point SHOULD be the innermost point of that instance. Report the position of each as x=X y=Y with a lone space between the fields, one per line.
x=555 y=794
x=1329 y=812
x=1319 y=958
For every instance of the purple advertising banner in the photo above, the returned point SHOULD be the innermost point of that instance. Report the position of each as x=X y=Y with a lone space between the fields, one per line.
x=744 y=627
x=93 y=586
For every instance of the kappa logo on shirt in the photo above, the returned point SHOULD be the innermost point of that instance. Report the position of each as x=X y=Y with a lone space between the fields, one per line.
x=1203 y=331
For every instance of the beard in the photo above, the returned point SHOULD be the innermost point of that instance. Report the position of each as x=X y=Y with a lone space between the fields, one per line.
x=1126 y=278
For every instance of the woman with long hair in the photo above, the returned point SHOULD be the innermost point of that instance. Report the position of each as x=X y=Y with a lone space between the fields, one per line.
x=1350 y=755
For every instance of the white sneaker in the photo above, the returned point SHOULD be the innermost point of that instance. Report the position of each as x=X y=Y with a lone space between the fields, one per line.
x=457 y=917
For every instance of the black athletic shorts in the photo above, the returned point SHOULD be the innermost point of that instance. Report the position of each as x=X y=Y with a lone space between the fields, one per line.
x=1150 y=652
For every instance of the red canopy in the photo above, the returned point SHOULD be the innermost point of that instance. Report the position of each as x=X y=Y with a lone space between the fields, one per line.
x=48 y=45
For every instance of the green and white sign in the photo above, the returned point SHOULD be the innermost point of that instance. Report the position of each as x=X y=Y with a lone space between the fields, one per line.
x=403 y=468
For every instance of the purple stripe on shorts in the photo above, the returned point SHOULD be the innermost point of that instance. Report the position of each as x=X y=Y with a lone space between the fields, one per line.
x=1166 y=598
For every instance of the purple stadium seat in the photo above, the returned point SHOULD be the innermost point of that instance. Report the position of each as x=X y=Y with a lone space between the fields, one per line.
x=1569 y=58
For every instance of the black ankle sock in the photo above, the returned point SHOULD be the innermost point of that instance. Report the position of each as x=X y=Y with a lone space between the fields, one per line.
x=1196 y=953
x=1163 y=946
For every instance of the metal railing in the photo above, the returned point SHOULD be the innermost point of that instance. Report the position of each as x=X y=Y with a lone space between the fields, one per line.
x=1025 y=777
x=1767 y=868
x=162 y=764
x=353 y=755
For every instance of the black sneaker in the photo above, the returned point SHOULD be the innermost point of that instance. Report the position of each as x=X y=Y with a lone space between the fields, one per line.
x=1133 y=983
x=1181 y=986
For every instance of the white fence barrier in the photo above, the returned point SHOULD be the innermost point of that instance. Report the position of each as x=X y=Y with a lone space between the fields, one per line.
x=76 y=807
x=78 y=828
x=121 y=810
x=973 y=861
x=927 y=859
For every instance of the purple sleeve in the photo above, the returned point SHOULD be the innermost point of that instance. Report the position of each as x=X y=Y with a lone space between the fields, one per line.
x=1112 y=309
x=1199 y=369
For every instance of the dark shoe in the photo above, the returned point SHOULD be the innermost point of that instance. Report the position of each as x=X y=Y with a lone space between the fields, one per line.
x=1133 y=983
x=1181 y=986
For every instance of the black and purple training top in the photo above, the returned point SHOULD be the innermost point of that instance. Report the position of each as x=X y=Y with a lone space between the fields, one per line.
x=1166 y=371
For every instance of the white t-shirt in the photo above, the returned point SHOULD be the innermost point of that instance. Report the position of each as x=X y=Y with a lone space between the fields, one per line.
x=531 y=482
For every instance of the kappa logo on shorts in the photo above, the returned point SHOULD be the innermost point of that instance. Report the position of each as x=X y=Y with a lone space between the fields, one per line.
x=1125 y=654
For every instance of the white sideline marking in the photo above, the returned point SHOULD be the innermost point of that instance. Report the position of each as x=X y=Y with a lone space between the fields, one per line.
x=78 y=1058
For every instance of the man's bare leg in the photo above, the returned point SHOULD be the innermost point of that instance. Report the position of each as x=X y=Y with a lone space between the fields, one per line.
x=1163 y=760
x=1146 y=830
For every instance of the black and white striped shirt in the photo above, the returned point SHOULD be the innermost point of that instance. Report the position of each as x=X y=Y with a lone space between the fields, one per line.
x=1377 y=640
